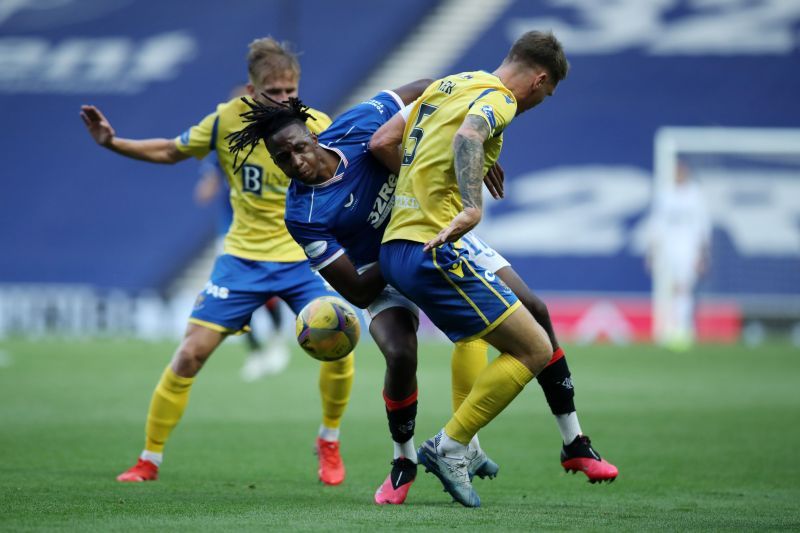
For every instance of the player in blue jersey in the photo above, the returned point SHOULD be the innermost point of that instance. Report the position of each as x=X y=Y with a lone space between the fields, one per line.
x=337 y=207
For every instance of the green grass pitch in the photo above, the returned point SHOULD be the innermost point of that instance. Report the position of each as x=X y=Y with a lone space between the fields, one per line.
x=704 y=440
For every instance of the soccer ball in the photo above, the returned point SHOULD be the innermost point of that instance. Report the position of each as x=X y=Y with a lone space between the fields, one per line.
x=327 y=328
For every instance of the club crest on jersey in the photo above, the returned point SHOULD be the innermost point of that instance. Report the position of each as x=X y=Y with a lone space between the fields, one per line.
x=315 y=249
x=457 y=269
x=382 y=206
x=489 y=112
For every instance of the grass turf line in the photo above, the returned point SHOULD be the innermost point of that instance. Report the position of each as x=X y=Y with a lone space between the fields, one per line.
x=703 y=441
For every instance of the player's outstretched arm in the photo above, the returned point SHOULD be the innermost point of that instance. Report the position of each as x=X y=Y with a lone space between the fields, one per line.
x=468 y=157
x=152 y=150
x=358 y=289
x=411 y=91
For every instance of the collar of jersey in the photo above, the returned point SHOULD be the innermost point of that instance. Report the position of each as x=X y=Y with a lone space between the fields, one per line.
x=338 y=174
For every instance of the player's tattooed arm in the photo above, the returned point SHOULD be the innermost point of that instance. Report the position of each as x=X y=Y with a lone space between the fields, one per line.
x=468 y=158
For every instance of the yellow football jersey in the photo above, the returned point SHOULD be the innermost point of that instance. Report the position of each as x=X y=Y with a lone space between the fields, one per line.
x=258 y=189
x=427 y=196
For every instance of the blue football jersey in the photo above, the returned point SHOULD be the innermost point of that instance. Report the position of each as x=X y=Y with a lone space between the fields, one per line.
x=349 y=212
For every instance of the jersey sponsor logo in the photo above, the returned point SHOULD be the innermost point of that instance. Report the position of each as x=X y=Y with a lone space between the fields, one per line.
x=315 y=249
x=384 y=202
x=406 y=202
x=252 y=179
x=216 y=291
x=377 y=105
x=489 y=112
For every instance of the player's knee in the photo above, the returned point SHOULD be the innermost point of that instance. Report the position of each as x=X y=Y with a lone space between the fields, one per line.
x=541 y=350
x=401 y=357
x=190 y=358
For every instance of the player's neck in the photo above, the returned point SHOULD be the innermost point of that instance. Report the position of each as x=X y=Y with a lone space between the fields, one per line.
x=511 y=77
x=330 y=162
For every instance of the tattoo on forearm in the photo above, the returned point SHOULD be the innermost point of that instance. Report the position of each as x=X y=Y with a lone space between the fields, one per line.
x=468 y=159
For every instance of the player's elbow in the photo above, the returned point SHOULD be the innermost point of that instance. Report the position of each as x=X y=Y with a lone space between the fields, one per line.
x=171 y=155
x=467 y=135
x=381 y=141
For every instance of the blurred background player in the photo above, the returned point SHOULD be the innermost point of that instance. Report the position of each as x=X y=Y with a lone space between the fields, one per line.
x=680 y=241
x=261 y=260
x=212 y=188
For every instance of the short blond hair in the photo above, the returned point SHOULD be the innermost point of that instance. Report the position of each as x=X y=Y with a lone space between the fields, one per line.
x=268 y=57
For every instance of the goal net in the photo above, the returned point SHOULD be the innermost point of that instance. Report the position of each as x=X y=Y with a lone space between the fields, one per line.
x=749 y=180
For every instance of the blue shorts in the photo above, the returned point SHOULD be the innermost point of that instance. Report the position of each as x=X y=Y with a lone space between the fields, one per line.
x=462 y=299
x=240 y=286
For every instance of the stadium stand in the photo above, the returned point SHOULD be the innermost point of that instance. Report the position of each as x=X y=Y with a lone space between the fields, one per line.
x=579 y=174
x=74 y=214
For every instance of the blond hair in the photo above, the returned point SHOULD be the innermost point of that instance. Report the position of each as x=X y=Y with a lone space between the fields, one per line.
x=268 y=57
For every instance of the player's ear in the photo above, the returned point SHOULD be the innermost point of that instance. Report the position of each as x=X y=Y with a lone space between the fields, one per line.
x=251 y=90
x=540 y=79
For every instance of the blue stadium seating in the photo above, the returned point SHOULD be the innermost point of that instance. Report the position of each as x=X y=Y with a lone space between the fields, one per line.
x=71 y=212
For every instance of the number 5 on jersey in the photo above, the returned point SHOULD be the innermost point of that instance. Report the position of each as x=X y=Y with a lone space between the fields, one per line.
x=425 y=110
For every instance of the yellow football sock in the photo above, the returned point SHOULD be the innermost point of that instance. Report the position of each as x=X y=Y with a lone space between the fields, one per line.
x=497 y=385
x=468 y=361
x=166 y=408
x=335 y=382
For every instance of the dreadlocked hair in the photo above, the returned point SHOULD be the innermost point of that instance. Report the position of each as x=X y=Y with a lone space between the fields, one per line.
x=263 y=121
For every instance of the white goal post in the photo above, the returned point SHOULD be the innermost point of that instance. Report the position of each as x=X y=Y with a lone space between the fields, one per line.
x=673 y=143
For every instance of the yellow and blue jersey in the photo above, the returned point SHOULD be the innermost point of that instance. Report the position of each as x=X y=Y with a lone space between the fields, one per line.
x=348 y=213
x=257 y=190
x=427 y=196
